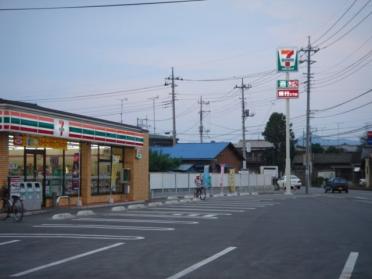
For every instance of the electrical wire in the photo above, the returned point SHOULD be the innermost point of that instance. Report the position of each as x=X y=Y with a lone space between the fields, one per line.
x=345 y=102
x=104 y=94
x=98 y=6
x=341 y=113
x=335 y=23
x=344 y=25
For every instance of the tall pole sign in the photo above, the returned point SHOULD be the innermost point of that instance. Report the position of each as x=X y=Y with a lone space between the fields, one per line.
x=287 y=61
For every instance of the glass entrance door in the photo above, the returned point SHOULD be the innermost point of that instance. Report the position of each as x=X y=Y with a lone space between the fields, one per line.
x=35 y=167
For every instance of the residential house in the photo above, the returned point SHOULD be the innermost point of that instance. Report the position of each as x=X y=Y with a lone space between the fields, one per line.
x=195 y=156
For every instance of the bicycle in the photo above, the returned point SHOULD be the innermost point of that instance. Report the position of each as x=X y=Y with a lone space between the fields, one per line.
x=11 y=205
x=201 y=193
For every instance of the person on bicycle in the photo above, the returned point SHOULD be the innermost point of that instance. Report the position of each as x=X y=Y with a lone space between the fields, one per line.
x=198 y=183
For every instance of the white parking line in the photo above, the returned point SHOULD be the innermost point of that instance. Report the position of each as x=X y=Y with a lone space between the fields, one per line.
x=104 y=227
x=201 y=263
x=183 y=211
x=196 y=208
x=349 y=265
x=159 y=216
x=138 y=221
x=8 y=242
x=71 y=236
x=65 y=260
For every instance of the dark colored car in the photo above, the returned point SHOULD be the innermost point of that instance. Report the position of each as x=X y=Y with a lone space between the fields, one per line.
x=336 y=184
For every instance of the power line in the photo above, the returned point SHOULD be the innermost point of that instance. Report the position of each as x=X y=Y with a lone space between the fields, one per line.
x=345 y=102
x=103 y=94
x=231 y=78
x=350 y=110
x=345 y=24
x=337 y=21
x=347 y=32
x=98 y=6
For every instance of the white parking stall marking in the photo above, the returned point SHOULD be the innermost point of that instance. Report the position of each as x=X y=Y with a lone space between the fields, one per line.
x=158 y=216
x=201 y=263
x=9 y=242
x=349 y=265
x=137 y=221
x=256 y=204
x=197 y=208
x=104 y=227
x=180 y=212
x=66 y=260
x=71 y=236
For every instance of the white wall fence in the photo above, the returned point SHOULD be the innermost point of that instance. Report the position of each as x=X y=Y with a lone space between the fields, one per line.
x=168 y=182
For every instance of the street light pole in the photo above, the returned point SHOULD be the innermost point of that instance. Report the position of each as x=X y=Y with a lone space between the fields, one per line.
x=153 y=109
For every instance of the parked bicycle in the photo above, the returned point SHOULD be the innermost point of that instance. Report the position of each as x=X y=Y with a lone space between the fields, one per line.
x=11 y=205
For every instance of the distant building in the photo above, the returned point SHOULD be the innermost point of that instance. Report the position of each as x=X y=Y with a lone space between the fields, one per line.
x=195 y=156
x=255 y=152
x=160 y=140
x=345 y=164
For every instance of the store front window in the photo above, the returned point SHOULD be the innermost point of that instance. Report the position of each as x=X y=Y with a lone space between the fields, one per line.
x=107 y=163
x=57 y=169
x=72 y=168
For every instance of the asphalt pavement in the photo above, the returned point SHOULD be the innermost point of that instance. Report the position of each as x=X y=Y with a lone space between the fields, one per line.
x=253 y=236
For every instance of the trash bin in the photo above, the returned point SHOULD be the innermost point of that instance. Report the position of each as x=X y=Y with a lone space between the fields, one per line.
x=38 y=196
x=28 y=197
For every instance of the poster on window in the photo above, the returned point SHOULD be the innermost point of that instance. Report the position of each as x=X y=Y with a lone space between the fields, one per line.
x=76 y=172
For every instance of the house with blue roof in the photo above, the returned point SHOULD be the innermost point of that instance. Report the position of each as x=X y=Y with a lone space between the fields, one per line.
x=195 y=155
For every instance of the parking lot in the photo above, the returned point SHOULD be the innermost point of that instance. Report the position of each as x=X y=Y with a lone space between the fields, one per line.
x=252 y=236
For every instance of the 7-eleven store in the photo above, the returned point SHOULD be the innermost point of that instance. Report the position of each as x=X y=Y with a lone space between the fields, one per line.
x=89 y=159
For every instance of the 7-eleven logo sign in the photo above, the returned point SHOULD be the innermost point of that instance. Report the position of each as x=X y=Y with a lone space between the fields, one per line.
x=287 y=60
x=61 y=128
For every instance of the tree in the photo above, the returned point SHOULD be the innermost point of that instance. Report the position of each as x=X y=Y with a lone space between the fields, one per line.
x=275 y=133
x=333 y=149
x=162 y=162
x=317 y=148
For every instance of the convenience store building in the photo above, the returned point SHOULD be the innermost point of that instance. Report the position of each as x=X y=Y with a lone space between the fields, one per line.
x=88 y=159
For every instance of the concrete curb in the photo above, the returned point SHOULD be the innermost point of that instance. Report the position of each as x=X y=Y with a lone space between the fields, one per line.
x=62 y=216
x=136 y=206
x=118 y=208
x=171 y=202
x=85 y=213
x=172 y=198
x=153 y=204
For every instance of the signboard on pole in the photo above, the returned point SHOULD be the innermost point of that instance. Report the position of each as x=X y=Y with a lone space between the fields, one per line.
x=287 y=60
x=369 y=137
x=287 y=88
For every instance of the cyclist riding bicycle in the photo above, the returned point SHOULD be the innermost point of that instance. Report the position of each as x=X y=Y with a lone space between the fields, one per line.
x=199 y=190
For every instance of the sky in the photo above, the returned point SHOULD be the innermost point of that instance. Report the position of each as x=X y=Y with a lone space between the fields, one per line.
x=90 y=61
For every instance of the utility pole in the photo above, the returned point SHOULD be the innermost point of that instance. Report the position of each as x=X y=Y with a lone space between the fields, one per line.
x=153 y=110
x=121 y=110
x=143 y=123
x=244 y=115
x=309 y=50
x=172 y=78
x=201 y=127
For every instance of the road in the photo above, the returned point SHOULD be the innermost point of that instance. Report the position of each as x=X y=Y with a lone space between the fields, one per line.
x=256 y=236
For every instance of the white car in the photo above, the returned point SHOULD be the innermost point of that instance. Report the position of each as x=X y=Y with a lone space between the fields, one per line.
x=295 y=182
